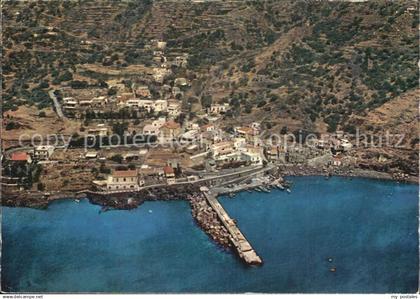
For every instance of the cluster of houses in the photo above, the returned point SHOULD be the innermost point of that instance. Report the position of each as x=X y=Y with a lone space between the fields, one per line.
x=38 y=153
x=135 y=179
x=138 y=100
x=138 y=96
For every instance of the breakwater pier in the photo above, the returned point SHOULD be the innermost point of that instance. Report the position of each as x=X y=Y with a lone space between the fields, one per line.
x=237 y=239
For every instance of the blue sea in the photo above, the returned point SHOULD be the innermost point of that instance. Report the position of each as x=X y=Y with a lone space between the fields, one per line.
x=369 y=229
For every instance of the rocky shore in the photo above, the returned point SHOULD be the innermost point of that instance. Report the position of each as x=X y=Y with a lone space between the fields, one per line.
x=125 y=200
x=300 y=170
x=36 y=199
x=207 y=219
x=130 y=200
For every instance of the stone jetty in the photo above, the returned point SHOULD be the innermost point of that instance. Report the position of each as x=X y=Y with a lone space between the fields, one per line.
x=227 y=226
x=207 y=219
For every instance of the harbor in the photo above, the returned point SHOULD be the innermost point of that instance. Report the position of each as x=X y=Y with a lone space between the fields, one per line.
x=168 y=244
x=236 y=237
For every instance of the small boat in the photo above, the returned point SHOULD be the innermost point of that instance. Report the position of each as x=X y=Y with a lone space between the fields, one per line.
x=333 y=269
x=265 y=190
x=103 y=209
x=249 y=191
x=258 y=189
x=77 y=200
x=150 y=211
x=330 y=259
x=288 y=190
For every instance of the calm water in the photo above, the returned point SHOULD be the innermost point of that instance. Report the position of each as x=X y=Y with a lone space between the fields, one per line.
x=369 y=228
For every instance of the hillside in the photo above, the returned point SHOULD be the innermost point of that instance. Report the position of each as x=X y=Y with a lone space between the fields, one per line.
x=320 y=66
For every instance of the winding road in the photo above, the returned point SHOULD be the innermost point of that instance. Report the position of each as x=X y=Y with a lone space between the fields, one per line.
x=56 y=104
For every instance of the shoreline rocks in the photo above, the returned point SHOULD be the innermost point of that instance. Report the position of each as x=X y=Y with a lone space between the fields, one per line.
x=131 y=200
x=207 y=220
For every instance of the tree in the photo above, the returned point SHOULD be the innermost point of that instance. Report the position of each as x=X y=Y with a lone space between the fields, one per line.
x=67 y=76
x=284 y=130
x=41 y=187
x=206 y=101
x=117 y=158
x=77 y=84
x=119 y=128
x=112 y=91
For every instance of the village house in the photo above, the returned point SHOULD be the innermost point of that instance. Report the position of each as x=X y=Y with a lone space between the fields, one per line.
x=43 y=152
x=120 y=87
x=169 y=132
x=336 y=161
x=132 y=103
x=69 y=104
x=156 y=44
x=248 y=133
x=341 y=145
x=85 y=103
x=123 y=180
x=176 y=91
x=91 y=155
x=257 y=127
x=160 y=105
x=169 y=174
x=208 y=138
x=147 y=105
x=190 y=137
x=151 y=130
x=18 y=165
x=124 y=97
x=239 y=142
x=99 y=130
x=275 y=154
x=224 y=152
x=141 y=91
x=159 y=122
x=345 y=145
x=322 y=143
x=208 y=128
x=159 y=74
x=221 y=148
x=192 y=125
x=20 y=158
x=131 y=156
x=181 y=82
x=174 y=163
x=252 y=155
x=218 y=108
x=165 y=91
x=181 y=61
x=99 y=101
x=174 y=108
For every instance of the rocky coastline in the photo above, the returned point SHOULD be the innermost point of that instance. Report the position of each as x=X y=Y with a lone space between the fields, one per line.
x=299 y=170
x=131 y=200
x=207 y=219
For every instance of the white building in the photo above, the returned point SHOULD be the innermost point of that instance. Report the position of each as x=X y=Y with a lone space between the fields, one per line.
x=124 y=180
x=190 y=137
x=43 y=152
x=151 y=130
x=174 y=108
x=218 y=108
x=69 y=103
x=160 y=105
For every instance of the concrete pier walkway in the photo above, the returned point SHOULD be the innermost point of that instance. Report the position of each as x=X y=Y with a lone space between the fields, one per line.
x=240 y=243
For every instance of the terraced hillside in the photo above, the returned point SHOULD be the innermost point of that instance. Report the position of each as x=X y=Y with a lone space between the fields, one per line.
x=315 y=65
